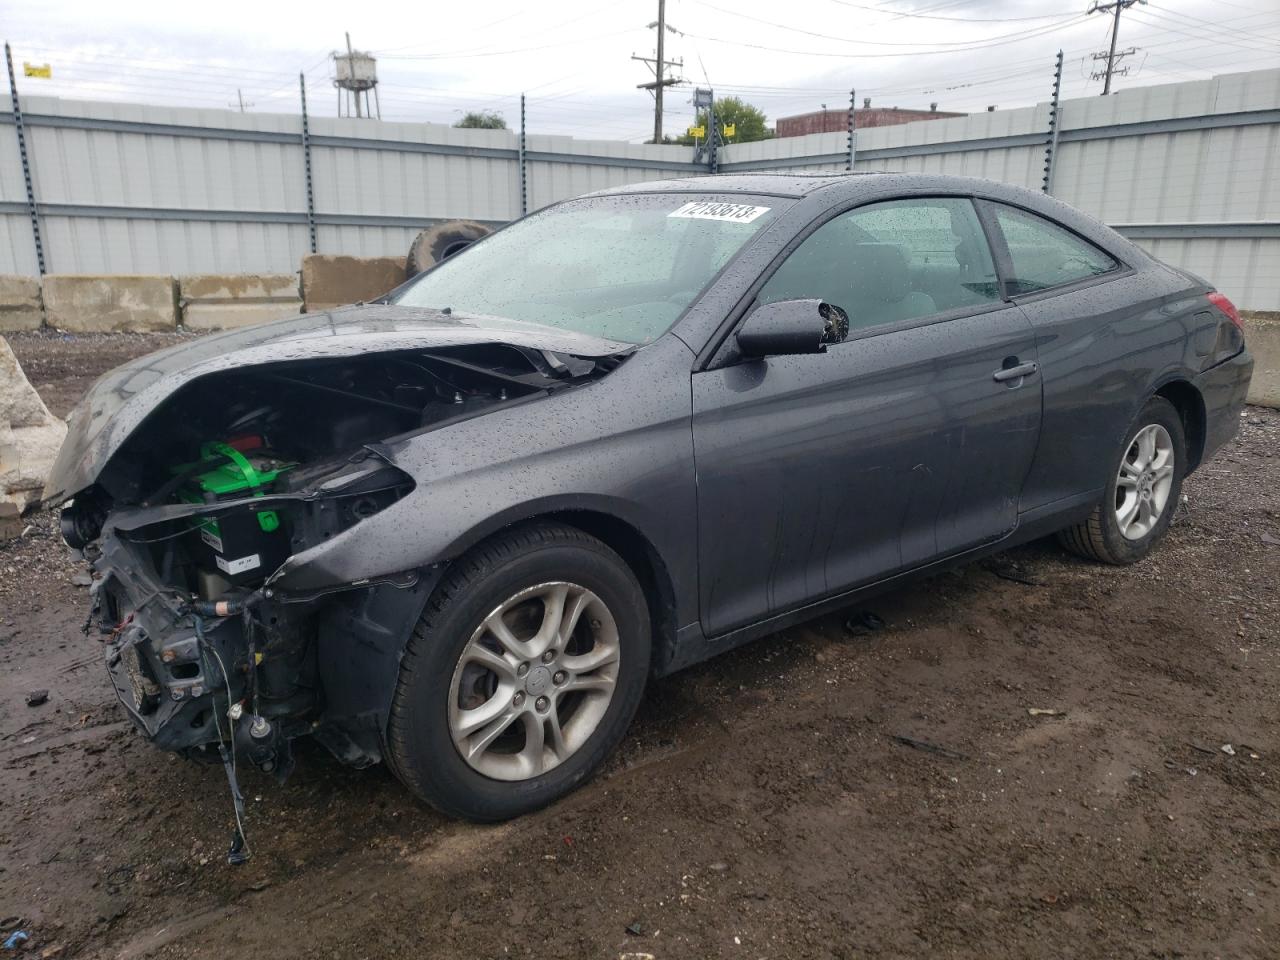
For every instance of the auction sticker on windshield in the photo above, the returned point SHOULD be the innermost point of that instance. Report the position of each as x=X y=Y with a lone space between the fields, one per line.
x=712 y=210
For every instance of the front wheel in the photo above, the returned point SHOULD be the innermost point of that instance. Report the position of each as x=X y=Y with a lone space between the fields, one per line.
x=522 y=675
x=1142 y=494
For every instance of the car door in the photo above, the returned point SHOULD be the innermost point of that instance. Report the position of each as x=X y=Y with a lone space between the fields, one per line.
x=906 y=442
x=1099 y=325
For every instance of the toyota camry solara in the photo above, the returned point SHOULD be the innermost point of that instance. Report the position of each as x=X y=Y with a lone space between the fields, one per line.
x=458 y=529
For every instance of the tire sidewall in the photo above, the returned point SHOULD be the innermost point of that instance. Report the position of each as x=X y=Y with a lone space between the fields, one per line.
x=433 y=759
x=429 y=247
x=1157 y=410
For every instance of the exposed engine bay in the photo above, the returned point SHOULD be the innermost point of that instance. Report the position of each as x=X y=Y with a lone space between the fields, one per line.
x=190 y=523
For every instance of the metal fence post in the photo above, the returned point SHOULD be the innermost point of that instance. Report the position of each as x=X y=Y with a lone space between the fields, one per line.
x=1055 y=126
x=26 y=162
x=524 y=183
x=713 y=137
x=306 y=159
x=853 y=131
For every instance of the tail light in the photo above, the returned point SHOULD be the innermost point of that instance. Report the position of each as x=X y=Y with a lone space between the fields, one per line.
x=1227 y=307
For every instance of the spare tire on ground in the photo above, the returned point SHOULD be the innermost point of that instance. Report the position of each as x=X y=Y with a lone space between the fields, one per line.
x=443 y=240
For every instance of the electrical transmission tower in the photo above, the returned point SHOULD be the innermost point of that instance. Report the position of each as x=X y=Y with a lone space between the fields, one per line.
x=1113 y=56
x=659 y=67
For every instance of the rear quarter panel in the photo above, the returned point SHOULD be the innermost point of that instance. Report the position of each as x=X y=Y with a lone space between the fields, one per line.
x=1104 y=350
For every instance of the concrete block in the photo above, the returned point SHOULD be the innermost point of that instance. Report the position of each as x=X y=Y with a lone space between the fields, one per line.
x=29 y=439
x=1262 y=336
x=222 y=301
x=224 y=316
x=334 y=281
x=110 y=304
x=221 y=287
x=20 y=304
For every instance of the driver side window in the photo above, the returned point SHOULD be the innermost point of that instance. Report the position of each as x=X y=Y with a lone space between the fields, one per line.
x=892 y=261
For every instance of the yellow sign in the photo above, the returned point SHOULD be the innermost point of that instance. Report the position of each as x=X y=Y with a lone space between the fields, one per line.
x=38 y=70
x=730 y=129
x=697 y=131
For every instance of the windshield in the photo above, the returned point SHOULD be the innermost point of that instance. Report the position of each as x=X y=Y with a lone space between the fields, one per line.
x=619 y=267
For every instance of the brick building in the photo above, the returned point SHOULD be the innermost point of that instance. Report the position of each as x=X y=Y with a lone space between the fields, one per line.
x=831 y=121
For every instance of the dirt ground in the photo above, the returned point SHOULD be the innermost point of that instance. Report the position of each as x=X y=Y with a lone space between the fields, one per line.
x=761 y=806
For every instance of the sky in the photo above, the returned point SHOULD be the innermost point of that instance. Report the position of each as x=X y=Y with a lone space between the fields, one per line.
x=572 y=57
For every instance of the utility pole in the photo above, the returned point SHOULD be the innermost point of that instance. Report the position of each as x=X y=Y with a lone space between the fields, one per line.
x=657 y=91
x=659 y=67
x=240 y=99
x=1112 y=57
x=713 y=136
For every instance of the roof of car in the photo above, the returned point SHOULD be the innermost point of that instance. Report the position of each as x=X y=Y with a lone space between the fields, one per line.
x=775 y=184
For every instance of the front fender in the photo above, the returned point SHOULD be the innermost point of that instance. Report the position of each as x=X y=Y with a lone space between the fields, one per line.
x=399 y=539
x=621 y=447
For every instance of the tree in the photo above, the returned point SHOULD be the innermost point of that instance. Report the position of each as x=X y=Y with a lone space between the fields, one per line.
x=749 y=121
x=482 y=120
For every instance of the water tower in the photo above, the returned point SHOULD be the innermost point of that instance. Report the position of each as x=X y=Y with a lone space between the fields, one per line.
x=355 y=74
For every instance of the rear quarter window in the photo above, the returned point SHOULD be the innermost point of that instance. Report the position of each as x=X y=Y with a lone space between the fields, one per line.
x=1045 y=255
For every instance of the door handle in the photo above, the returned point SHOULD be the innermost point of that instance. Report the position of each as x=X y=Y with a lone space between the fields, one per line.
x=1015 y=372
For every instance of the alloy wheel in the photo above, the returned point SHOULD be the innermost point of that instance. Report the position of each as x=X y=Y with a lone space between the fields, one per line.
x=1144 y=481
x=534 y=681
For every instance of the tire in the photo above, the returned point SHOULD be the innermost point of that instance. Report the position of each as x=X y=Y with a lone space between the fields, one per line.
x=443 y=240
x=442 y=687
x=1101 y=536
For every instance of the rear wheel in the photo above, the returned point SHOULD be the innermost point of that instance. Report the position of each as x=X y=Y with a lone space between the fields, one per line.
x=522 y=675
x=1142 y=495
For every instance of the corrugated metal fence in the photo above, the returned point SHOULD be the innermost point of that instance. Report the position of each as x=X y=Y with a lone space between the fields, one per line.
x=124 y=188
x=1189 y=169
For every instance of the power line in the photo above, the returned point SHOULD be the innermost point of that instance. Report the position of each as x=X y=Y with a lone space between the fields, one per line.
x=209 y=83
x=548 y=30
x=1230 y=40
x=1062 y=19
x=927 y=16
x=502 y=53
x=977 y=45
x=1214 y=29
x=484 y=26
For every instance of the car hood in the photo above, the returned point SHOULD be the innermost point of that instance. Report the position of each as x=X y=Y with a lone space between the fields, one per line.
x=120 y=400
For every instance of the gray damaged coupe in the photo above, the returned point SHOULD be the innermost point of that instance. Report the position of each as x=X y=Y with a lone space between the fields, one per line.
x=458 y=529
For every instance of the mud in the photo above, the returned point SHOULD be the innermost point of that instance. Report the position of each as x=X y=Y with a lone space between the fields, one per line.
x=762 y=806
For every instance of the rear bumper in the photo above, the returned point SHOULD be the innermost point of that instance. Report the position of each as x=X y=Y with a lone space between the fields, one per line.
x=1224 y=389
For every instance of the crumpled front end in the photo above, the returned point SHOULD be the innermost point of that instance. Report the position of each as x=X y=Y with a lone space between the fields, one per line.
x=202 y=650
x=232 y=617
x=159 y=665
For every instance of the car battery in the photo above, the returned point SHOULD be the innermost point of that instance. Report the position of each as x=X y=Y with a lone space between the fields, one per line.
x=243 y=545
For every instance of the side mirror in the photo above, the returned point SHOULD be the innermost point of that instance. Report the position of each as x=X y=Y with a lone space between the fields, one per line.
x=790 y=327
